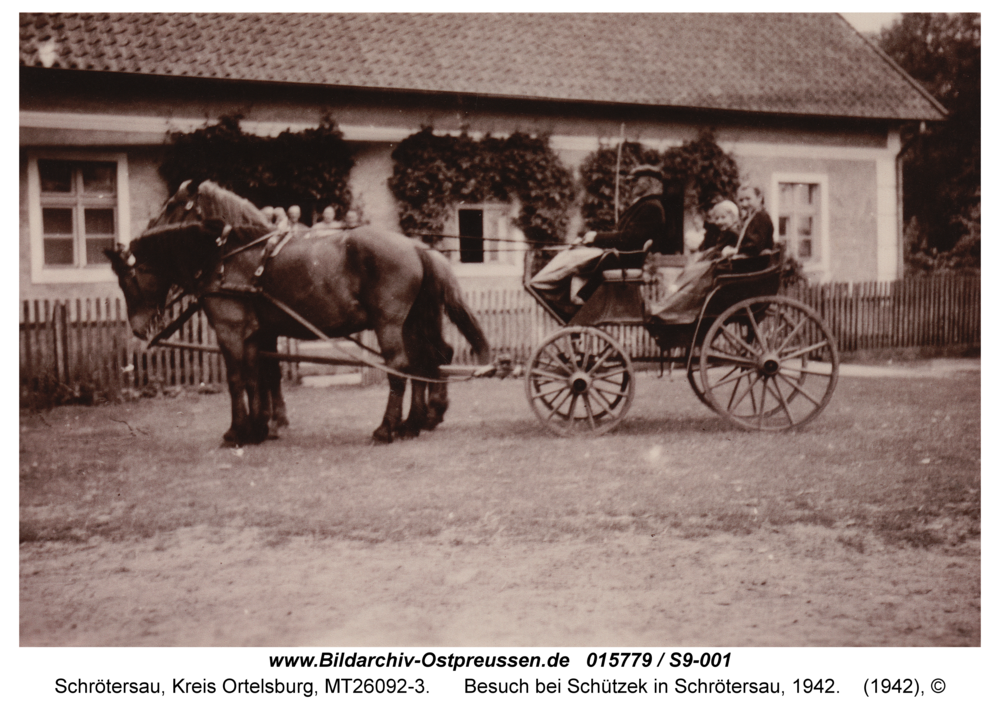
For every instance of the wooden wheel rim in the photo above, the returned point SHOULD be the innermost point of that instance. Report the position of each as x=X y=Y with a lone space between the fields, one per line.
x=580 y=381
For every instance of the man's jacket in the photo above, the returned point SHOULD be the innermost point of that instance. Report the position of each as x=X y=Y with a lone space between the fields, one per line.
x=644 y=220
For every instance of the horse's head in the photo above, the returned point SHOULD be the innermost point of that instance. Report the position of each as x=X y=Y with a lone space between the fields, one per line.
x=202 y=201
x=144 y=287
x=181 y=208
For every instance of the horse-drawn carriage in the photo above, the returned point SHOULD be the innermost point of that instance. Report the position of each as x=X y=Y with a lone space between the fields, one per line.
x=762 y=361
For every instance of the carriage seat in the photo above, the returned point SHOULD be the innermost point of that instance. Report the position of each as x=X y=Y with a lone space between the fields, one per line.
x=622 y=275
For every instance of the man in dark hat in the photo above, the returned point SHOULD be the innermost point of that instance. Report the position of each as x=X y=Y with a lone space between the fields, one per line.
x=643 y=221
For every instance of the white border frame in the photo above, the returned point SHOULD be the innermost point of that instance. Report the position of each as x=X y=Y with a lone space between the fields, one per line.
x=40 y=274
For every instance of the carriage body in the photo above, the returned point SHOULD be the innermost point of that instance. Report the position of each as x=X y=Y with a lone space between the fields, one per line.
x=762 y=361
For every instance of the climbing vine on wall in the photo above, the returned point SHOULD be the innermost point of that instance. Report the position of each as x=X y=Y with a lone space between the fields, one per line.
x=308 y=168
x=701 y=165
x=433 y=173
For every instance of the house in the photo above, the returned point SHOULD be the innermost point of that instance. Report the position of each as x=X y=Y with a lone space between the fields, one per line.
x=808 y=107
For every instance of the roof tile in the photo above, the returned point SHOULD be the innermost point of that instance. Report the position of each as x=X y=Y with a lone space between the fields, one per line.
x=801 y=64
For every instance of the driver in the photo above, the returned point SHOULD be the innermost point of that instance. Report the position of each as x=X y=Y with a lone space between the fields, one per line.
x=643 y=221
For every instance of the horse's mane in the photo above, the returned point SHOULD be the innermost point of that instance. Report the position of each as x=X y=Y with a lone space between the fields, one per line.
x=180 y=241
x=217 y=202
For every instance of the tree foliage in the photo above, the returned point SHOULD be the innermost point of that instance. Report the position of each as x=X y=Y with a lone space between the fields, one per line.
x=942 y=165
x=433 y=173
x=700 y=165
x=309 y=168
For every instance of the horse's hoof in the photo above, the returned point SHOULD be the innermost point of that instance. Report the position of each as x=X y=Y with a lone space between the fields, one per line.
x=408 y=432
x=231 y=438
x=383 y=434
x=280 y=422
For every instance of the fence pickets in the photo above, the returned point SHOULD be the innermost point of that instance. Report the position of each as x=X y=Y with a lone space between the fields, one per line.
x=74 y=350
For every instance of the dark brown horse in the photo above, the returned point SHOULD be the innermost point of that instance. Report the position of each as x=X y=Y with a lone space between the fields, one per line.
x=211 y=243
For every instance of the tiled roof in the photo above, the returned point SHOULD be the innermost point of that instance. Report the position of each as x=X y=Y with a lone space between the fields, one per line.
x=786 y=64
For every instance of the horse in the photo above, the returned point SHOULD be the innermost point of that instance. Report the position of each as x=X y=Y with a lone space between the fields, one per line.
x=255 y=286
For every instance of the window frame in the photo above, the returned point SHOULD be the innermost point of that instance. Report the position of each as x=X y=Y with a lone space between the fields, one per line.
x=495 y=262
x=819 y=269
x=68 y=274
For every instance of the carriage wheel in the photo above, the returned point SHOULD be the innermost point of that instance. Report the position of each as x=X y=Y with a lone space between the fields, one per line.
x=769 y=363
x=580 y=382
x=694 y=378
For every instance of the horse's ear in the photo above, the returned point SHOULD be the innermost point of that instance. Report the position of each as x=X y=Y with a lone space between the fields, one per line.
x=189 y=187
x=117 y=258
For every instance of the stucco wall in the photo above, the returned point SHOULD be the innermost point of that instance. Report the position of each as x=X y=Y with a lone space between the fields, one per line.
x=80 y=109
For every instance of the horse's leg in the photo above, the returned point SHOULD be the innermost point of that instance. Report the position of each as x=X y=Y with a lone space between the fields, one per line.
x=258 y=397
x=390 y=341
x=417 y=419
x=270 y=370
x=393 y=411
x=238 y=429
x=437 y=393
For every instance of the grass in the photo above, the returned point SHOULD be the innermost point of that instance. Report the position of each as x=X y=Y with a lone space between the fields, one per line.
x=891 y=460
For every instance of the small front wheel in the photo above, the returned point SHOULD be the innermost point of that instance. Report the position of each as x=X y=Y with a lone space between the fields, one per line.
x=769 y=363
x=580 y=382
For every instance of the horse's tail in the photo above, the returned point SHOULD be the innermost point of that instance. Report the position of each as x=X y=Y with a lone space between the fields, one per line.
x=449 y=294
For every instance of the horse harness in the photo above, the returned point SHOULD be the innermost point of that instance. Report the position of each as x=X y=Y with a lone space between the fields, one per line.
x=273 y=243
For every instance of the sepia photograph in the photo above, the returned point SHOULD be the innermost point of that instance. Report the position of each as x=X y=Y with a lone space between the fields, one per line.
x=499 y=330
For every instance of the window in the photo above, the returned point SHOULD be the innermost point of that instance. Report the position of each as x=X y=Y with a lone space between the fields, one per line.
x=802 y=220
x=77 y=209
x=486 y=242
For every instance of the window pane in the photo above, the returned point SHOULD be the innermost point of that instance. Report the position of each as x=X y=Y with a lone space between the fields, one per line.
x=783 y=226
x=99 y=221
x=58 y=251
x=805 y=249
x=99 y=178
x=56 y=176
x=805 y=225
x=787 y=197
x=95 y=250
x=470 y=228
x=57 y=221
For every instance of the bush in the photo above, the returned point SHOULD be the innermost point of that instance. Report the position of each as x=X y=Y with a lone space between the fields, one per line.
x=310 y=168
x=432 y=173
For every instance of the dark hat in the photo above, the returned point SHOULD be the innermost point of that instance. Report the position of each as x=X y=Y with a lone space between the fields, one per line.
x=645 y=170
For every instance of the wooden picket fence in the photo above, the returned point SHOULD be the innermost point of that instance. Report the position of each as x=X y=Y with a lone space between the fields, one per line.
x=82 y=350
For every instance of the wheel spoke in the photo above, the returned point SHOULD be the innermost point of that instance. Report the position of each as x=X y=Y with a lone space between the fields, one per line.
x=559 y=360
x=794 y=331
x=784 y=402
x=761 y=337
x=600 y=362
x=805 y=350
x=611 y=374
x=608 y=408
x=550 y=375
x=556 y=406
x=800 y=390
x=742 y=373
x=731 y=358
x=737 y=342
x=617 y=394
x=590 y=413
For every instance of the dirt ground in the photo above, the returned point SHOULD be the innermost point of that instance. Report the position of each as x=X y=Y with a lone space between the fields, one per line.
x=224 y=583
x=224 y=588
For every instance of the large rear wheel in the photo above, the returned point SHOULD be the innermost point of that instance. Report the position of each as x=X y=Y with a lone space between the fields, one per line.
x=769 y=363
x=580 y=382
